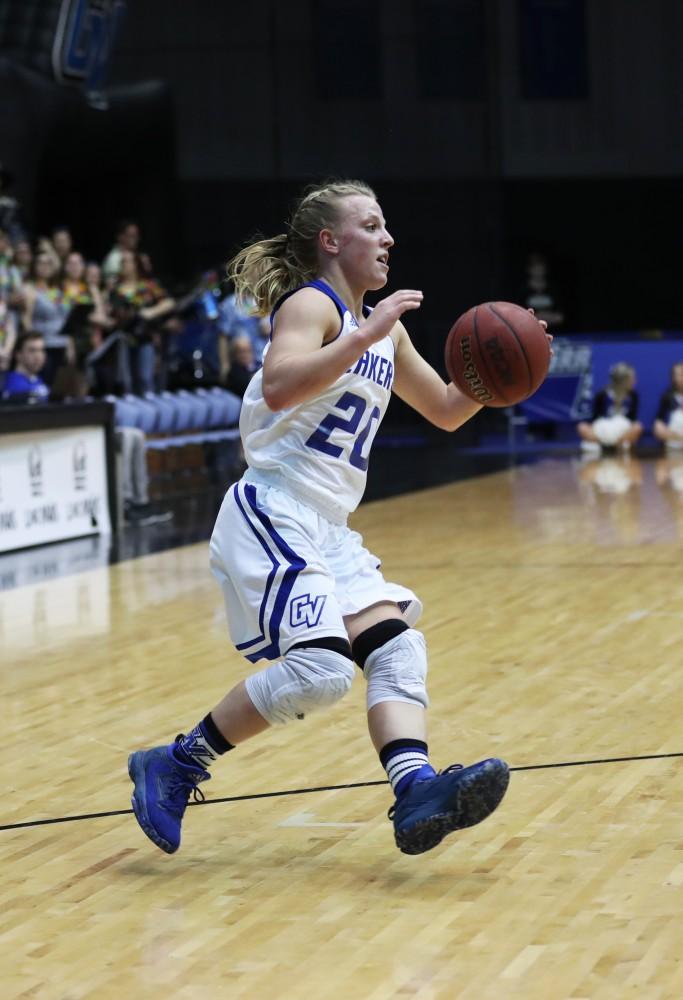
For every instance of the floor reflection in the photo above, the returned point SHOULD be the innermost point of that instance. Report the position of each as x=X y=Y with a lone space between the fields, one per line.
x=42 y=614
x=669 y=473
x=46 y=562
x=613 y=475
x=611 y=500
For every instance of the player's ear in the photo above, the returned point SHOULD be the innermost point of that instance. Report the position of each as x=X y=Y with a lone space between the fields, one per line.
x=328 y=241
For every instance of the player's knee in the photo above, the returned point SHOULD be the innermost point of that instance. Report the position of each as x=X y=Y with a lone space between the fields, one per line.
x=307 y=679
x=394 y=660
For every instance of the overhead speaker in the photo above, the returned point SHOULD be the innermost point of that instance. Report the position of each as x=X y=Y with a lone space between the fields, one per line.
x=68 y=41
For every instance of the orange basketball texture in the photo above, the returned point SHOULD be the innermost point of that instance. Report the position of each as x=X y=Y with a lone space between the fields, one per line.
x=497 y=353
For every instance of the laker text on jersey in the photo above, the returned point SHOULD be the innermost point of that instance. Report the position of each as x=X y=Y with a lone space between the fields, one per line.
x=375 y=367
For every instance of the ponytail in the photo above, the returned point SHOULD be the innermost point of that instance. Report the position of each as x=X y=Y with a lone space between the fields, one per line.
x=265 y=271
x=269 y=268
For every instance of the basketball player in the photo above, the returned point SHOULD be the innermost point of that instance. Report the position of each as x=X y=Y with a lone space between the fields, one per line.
x=300 y=589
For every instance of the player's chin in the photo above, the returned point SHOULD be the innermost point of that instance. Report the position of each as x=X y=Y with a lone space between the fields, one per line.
x=378 y=280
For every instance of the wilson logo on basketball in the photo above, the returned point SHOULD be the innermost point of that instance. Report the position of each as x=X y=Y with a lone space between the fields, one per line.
x=499 y=361
x=474 y=380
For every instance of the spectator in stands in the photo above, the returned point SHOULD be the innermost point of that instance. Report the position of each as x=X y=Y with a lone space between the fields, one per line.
x=10 y=275
x=141 y=306
x=23 y=258
x=100 y=319
x=127 y=240
x=93 y=275
x=11 y=300
x=63 y=244
x=130 y=442
x=668 y=425
x=23 y=382
x=74 y=289
x=45 y=313
x=87 y=317
x=615 y=413
x=539 y=293
x=243 y=364
x=8 y=335
x=81 y=285
x=45 y=246
x=107 y=363
x=195 y=357
x=239 y=319
x=9 y=208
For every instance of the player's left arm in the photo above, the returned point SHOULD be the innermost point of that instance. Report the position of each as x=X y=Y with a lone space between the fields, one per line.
x=420 y=386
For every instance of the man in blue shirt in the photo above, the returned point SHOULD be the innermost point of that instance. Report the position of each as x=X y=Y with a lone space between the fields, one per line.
x=24 y=381
x=235 y=321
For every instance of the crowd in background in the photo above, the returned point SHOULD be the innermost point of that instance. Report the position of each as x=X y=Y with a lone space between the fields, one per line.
x=72 y=327
x=111 y=327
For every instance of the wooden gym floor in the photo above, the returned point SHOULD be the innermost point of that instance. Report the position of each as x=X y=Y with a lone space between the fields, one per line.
x=554 y=624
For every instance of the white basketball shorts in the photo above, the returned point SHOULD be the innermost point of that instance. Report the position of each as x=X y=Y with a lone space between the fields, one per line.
x=288 y=574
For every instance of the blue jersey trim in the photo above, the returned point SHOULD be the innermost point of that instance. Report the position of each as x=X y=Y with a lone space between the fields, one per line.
x=326 y=289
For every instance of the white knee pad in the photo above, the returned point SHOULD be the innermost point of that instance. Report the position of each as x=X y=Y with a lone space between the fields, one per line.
x=307 y=678
x=397 y=671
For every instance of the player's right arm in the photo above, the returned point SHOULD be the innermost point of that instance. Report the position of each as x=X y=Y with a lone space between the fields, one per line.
x=295 y=369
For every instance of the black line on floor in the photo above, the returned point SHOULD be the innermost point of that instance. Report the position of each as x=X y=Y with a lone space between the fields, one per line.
x=331 y=788
x=598 y=760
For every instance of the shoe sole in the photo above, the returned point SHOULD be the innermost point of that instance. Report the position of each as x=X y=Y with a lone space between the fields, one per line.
x=477 y=797
x=137 y=776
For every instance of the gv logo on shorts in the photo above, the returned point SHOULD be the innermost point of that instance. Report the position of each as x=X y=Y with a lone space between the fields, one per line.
x=306 y=610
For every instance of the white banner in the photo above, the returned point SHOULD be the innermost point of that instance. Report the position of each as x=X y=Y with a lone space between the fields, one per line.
x=53 y=485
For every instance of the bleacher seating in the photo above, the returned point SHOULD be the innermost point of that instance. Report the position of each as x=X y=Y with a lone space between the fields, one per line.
x=191 y=437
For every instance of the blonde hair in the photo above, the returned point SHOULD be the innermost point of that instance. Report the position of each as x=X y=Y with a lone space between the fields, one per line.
x=620 y=379
x=267 y=269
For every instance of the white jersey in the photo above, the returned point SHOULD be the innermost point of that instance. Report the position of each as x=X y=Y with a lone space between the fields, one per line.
x=318 y=451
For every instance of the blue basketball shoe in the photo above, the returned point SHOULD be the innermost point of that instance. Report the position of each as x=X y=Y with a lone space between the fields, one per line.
x=452 y=800
x=163 y=786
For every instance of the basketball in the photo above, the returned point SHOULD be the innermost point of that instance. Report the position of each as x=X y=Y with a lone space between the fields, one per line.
x=497 y=353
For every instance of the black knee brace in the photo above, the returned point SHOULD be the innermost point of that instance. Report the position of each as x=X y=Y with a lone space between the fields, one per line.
x=334 y=642
x=374 y=637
